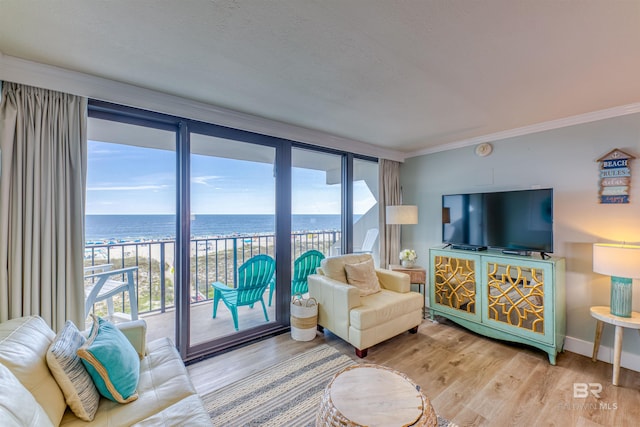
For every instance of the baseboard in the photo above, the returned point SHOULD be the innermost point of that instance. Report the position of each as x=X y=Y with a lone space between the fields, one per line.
x=585 y=348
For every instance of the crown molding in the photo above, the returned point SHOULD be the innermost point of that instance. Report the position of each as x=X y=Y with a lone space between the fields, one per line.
x=529 y=129
x=55 y=78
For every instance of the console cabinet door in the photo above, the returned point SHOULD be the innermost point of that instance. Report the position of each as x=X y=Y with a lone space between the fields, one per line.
x=517 y=297
x=454 y=277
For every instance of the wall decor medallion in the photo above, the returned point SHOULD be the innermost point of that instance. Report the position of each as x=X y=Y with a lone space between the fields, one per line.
x=615 y=177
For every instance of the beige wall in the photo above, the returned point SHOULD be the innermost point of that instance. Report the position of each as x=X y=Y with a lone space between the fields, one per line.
x=564 y=159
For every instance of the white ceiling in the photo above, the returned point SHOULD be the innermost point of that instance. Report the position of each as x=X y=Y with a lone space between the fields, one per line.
x=404 y=75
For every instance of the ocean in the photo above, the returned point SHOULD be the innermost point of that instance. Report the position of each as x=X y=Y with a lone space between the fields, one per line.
x=121 y=228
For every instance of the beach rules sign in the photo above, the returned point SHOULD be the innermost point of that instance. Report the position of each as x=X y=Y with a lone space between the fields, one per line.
x=615 y=177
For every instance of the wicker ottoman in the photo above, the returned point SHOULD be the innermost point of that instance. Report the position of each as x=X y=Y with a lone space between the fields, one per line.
x=373 y=395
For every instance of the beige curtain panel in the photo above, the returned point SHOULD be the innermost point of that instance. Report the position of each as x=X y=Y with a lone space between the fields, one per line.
x=43 y=155
x=390 y=194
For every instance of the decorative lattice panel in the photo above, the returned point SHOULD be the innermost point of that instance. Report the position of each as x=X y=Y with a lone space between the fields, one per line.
x=516 y=296
x=455 y=283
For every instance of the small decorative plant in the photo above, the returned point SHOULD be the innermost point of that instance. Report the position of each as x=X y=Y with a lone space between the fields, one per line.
x=408 y=257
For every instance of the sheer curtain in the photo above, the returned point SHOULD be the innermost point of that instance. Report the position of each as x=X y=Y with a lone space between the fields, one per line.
x=43 y=141
x=390 y=194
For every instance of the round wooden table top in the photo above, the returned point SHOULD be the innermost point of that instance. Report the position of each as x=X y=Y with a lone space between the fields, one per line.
x=373 y=395
x=604 y=313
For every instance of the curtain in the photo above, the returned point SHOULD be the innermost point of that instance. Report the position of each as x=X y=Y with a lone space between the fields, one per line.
x=43 y=141
x=390 y=194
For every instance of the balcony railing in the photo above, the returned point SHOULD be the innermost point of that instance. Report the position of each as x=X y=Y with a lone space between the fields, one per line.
x=212 y=259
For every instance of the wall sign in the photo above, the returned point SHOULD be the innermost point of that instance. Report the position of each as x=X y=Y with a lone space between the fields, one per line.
x=615 y=177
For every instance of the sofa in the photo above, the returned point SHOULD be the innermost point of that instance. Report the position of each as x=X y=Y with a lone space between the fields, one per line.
x=362 y=304
x=30 y=395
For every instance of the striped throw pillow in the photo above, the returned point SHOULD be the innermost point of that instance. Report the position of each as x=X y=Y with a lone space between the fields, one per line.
x=77 y=386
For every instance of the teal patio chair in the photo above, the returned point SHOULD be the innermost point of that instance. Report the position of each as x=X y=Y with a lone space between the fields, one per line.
x=303 y=266
x=253 y=278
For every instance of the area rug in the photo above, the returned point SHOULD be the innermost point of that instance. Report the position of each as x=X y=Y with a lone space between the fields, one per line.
x=286 y=394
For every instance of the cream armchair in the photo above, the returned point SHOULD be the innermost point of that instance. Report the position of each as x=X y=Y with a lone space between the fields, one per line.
x=362 y=316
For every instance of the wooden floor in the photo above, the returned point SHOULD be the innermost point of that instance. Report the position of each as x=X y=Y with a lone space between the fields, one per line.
x=471 y=380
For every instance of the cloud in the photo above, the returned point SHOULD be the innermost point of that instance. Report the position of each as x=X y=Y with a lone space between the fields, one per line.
x=204 y=180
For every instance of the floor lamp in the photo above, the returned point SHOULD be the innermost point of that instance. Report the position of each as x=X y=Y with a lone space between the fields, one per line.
x=399 y=215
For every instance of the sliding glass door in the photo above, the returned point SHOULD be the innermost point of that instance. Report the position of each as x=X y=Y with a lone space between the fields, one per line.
x=316 y=197
x=131 y=216
x=212 y=219
x=233 y=240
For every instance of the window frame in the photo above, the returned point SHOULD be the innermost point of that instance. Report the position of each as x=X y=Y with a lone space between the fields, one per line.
x=183 y=127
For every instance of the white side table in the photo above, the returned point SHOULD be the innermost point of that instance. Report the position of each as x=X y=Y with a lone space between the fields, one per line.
x=603 y=315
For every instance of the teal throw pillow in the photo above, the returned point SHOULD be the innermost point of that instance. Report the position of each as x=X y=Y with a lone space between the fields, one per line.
x=111 y=361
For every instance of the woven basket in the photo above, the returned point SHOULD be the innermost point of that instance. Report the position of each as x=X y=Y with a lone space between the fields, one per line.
x=304 y=318
x=329 y=416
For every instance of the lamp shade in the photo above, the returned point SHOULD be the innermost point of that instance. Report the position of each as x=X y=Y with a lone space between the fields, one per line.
x=402 y=214
x=616 y=260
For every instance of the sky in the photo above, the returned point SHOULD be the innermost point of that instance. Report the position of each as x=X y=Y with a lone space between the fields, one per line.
x=125 y=179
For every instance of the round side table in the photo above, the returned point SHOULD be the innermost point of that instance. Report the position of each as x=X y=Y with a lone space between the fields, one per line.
x=374 y=395
x=603 y=315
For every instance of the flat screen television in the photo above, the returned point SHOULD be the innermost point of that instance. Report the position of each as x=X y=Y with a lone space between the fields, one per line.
x=520 y=220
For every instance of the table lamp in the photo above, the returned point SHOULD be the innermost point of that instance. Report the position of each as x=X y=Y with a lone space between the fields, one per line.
x=622 y=263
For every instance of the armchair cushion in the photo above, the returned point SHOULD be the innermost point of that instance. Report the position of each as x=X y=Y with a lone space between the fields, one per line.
x=72 y=377
x=394 y=281
x=18 y=407
x=164 y=382
x=23 y=344
x=363 y=276
x=111 y=361
x=383 y=307
x=136 y=333
x=186 y=412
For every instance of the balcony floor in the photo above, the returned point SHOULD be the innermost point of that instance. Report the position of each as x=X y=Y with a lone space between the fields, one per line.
x=203 y=327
